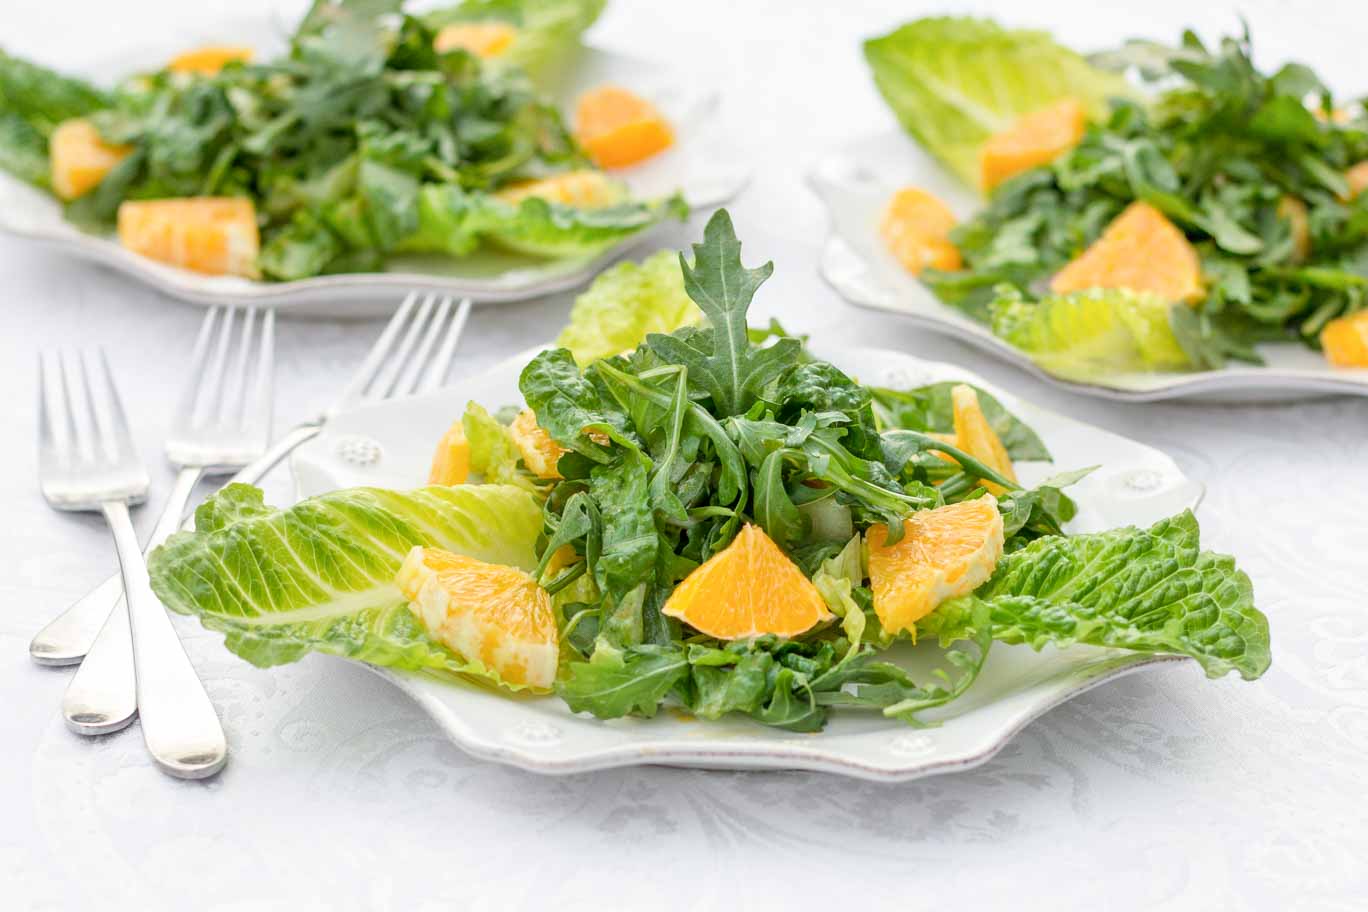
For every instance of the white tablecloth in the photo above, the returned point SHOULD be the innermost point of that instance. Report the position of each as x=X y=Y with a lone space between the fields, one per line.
x=1160 y=791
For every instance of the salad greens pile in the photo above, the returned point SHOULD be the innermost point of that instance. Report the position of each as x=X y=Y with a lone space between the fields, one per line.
x=361 y=143
x=1251 y=167
x=670 y=447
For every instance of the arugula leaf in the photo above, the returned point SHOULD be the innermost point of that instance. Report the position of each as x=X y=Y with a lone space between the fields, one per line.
x=616 y=683
x=930 y=408
x=44 y=98
x=23 y=149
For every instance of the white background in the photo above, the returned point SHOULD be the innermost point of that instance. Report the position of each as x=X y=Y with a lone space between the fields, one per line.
x=1161 y=791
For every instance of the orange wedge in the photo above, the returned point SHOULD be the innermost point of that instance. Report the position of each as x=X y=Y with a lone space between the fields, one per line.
x=483 y=39
x=1140 y=250
x=945 y=552
x=1357 y=177
x=916 y=229
x=451 y=462
x=1036 y=139
x=207 y=61
x=975 y=436
x=748 y=589
x=487 y=613
x=619 y=128
x=1345 y=340
x=539 y=452
x=211 y=234
x=79 y=158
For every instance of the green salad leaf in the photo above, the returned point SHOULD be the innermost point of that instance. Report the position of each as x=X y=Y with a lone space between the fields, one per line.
x=625 y=304
x=953 y=82
x=540 y=228
x=548 y=30
x=930 y=408
x=320 y=576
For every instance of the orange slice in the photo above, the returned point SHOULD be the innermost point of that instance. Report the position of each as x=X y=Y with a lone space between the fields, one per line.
x=487 y=613
x=539 y=452
x=1345 y=340
x=483 y=39
x=747 y=589
x=207 y=61
x=79 y=158
x=210 y=234
x=1035 y=139
x=916 y=229
x=975 y=436
x=451 y=462
x=620 y=128
x=1357 y=178
x=582 y=189
x=1140 y=250
x=944 y=553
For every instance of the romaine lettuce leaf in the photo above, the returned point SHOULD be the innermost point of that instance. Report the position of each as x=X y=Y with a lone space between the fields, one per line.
x=953 y=82
x=548 y=30
x=446 y=216
x=1146 y=590
x=554 y=230
x=319 y=576
x=493 y=454
x=624 y=304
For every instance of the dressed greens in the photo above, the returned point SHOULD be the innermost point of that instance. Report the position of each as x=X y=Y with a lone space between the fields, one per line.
x=666 y=451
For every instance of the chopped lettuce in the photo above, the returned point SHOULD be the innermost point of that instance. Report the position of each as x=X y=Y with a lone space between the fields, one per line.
x=1146 y=590
x=953 y=82
x=626 y=303
x=536 y=227
x=319 y=576
x=493 y=454
x=548 y=30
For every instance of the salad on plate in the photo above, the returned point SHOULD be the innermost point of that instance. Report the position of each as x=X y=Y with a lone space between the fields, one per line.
x=690 y=512
x=1149 y=209
x=377 y=134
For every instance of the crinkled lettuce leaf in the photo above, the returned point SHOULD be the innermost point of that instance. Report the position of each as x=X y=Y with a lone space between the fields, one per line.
x=1147 y=590
x=537 y=227
x=953 y=82
x=493 y=454
x=548 y=30
x=625 y=303
x=320 y=576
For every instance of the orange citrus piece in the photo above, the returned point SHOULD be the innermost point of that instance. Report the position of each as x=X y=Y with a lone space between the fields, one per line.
x=483 y=39
x=211 y=234
x=619 y=128
x=975 y=436
x=207 y=61
x=1357 y=177
x=1140 y=250
x=747 y=589
x=1294 y=210
x=451 y=462
x=1037 y=138
x=916 y=229
x=1345 y=340
x=582 y=189
x=79 y=158
x=487 y=613
x=944 y=553
x=539 y=452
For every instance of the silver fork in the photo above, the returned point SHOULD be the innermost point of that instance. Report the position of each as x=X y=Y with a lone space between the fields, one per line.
x=433 y=325
x=222 y=424
x=87 y=461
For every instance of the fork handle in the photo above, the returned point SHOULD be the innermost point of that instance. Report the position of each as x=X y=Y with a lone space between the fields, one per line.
x=71 y=636
x=179 y=724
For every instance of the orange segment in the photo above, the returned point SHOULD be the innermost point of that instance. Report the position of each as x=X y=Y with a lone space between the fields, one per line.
x=748 y=589
x=207 y=61
x=975 y=436
x=916 y=229
x=487 y=613
x=79 y=158
x=1294 y=210
x=1035 y=139
x=944 y=553
x=1345 y=340
x=216 y=235
x=539 y=452
x=1357 y=178
x=620 y=128
x=1140 y=250
x=483 y=39
x=451 y=462
x=582 y=189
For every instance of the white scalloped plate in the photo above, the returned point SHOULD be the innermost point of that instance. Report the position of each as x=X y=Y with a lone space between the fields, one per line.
x=855 y=184
x=390 y=445
x=705 y=165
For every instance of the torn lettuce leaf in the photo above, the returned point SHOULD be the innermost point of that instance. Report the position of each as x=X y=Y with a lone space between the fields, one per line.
x=1147 y=590
x=536 y=227
x=320 y=576
x=548 y=30
x=624 y=304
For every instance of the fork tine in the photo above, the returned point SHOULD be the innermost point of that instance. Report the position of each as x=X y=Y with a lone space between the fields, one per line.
x=376 y=356
x=441 y=364
x=386 y=380
x=185 y=412
x=264 y=378
x=97 y=409
x=121 y=436
x=49 y=448
x=78 y=429
x=237 y=401
x=406 y=382
x=211 y=401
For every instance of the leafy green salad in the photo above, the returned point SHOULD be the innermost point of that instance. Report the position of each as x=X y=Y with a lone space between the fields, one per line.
x=1169 y=221
x=700 y=514
x=370 y=138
